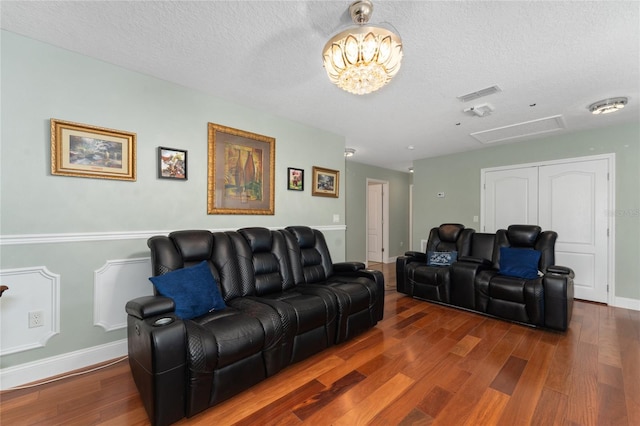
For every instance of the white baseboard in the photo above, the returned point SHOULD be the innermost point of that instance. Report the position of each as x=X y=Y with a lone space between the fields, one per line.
x=624 y=302
x=48 y=367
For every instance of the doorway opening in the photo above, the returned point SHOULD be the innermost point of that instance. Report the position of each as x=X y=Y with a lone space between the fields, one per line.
x=377 y=223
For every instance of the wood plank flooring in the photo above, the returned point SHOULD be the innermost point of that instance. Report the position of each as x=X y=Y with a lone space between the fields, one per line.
x=423 y=364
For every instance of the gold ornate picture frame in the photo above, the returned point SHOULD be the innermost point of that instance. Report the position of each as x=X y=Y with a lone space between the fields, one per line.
x=240 y=172
x=326 y=182
x=88 y=151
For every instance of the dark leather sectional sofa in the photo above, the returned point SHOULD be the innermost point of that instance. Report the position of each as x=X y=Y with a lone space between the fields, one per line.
x=283 y=301
x=480 y=281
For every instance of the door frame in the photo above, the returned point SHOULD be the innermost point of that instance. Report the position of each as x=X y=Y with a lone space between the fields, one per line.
x=385 y=219
x=611 y=217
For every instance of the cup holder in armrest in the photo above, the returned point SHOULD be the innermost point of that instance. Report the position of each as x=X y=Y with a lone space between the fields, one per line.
x=162 y=321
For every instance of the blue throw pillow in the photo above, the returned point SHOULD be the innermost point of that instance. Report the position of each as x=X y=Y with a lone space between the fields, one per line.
x=519 y=262
x=194 y=290
x=441 y=258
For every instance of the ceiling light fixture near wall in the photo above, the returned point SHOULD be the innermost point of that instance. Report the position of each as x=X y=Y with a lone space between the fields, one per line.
x=607 y=106
x=479 y=110
x=364 y=57
x=349 y=152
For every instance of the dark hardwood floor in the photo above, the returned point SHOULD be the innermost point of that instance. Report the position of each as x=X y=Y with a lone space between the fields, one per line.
x=423 y=364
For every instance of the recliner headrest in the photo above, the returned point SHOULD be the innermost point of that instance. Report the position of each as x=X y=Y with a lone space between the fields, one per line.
x=450 y=232
x=194 y=246
x=259 y=239
x=523 y=235
x=304 y=235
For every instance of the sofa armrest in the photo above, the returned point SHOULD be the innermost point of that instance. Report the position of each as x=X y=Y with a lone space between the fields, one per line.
x=347 y=267
x=150 y=306
x=476 y=260
x=562 y=270
x=157 y=348
x=558 y=299
x=416 y=256
x=378 y=278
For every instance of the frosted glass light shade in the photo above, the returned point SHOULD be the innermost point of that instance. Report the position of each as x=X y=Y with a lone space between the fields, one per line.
x=362 y=59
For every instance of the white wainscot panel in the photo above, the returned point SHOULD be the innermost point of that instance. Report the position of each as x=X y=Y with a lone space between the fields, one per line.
x=31 y=290
x=117 y=282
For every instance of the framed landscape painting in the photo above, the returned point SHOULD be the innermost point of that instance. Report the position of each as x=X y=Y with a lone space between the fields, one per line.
x=326 y=182
x=89 y=151
x=241 y=172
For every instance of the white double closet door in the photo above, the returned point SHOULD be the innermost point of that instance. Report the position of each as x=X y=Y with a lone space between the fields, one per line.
x=572 y=198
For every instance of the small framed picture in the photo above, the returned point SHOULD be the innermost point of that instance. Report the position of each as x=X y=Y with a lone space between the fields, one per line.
x=172 y=163
x=295 y=179
x=326 y=182
x=93 y=152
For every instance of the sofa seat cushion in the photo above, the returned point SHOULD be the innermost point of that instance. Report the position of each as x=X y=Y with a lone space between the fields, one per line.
x=223 y=338
x=359 y=290
x=428 y=275
x=310 y=310
x=507 y=288
x=429 y=282
x=194 y=290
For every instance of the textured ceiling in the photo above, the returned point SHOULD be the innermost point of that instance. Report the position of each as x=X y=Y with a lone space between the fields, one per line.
x=560 y=56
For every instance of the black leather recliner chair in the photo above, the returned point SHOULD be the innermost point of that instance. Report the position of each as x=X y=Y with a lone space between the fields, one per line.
x=311 y=312
x=360 y=292
x=544 y=300
x=430 y=281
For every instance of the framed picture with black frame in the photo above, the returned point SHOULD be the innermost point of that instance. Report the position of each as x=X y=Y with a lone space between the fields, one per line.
x=295 y=179
x=172 y=163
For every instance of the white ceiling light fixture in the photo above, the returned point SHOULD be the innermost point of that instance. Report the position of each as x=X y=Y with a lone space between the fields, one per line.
x=479 y=110
x=607 y=106
x=362 y=58
x=349 y=152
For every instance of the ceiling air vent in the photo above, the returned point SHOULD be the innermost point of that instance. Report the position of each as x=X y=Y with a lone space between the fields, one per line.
x=479 y=93
x=521 y=130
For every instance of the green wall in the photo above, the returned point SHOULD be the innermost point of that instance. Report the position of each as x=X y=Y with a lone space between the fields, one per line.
x=357 y=175
x=458 y=175
x=40 y=82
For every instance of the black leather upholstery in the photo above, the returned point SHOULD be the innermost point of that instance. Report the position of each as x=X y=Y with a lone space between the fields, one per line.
x=315 y=310
x=474 y=282
x=359 y=292
x=284 y=303
x=433 y=282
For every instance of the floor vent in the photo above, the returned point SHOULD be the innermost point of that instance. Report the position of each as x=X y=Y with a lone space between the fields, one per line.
x=480 y=93
x=521 y=130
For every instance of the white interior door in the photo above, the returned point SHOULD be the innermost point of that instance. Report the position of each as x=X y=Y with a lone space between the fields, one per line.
x=374 y=222
x=573 y=202
x=510 y=197
x=570 y=198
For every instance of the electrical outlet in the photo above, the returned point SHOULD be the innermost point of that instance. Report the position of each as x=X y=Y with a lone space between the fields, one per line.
x=36 y=319
x=440 y=194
